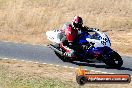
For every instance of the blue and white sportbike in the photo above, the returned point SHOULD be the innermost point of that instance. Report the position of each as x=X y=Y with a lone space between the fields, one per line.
x=94 y=47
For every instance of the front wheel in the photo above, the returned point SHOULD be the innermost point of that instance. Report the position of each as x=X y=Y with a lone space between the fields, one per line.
x=114 y=60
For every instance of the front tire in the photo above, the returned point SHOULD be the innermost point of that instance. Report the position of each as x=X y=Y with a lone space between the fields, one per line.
x=114 y=60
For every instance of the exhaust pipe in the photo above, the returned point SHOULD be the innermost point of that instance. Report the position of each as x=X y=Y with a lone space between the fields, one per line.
x=55 y=49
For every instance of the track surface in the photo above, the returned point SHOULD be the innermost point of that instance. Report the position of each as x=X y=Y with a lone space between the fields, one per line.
x=46 y=55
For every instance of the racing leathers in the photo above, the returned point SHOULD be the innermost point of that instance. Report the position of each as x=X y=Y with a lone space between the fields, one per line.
x=69 y=40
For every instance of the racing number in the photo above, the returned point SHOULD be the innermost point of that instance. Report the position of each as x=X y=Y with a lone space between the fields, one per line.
x=104 y=41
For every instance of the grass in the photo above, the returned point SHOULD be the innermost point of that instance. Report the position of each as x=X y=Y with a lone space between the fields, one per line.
x=21 y=80
x=21 y=77
x=28 y=20
x=17 y=74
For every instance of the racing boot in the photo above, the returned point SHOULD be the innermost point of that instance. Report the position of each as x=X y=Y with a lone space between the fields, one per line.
x=69 y=53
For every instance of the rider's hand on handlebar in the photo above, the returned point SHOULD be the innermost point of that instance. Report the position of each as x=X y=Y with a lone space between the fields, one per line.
x=70 y=44
x=86 y=27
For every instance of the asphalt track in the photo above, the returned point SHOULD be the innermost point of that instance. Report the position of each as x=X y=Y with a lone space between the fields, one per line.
x=44 y=54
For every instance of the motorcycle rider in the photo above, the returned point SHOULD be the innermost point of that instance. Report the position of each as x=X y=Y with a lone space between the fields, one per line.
x=71 y=32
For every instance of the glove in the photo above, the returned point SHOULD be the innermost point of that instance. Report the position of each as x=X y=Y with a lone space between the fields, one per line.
x=70 y=45
x=86 y=27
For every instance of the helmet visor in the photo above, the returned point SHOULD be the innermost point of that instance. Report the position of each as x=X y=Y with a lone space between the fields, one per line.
x=77 y=25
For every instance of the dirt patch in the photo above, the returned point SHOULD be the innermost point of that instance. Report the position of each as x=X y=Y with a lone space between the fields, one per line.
x=121 y=41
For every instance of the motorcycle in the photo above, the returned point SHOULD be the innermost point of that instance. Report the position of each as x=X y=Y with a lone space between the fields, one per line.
x=95 y=48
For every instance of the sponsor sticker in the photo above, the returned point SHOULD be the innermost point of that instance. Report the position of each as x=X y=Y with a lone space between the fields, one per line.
x=83 y=78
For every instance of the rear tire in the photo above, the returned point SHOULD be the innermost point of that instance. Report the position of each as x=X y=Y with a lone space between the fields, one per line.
x=114 y=60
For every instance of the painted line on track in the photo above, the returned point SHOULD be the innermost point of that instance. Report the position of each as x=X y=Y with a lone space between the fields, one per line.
x=5 y=58
x=44 y=63
x=36 y=62
x=57 y=65
x=30 y=61
x=23 y=60
x=65 y=66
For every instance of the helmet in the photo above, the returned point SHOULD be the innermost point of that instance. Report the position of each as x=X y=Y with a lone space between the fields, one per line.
x=77 y=22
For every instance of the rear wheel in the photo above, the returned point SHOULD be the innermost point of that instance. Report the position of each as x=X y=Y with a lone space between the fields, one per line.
x=114 y=60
